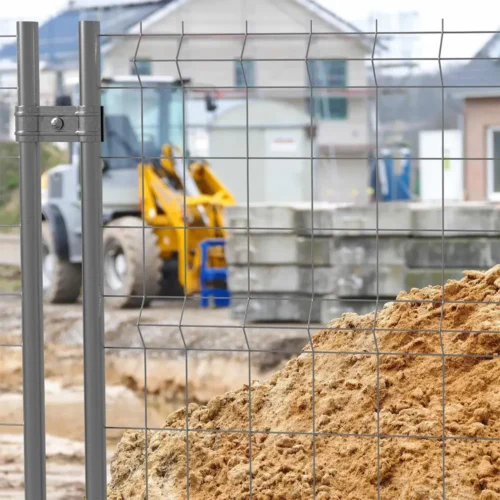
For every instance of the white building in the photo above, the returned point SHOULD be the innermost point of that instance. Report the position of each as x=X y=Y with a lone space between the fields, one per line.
x=278 y=59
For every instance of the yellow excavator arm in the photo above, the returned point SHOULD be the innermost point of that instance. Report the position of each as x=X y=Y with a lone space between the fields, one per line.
x=181 y=220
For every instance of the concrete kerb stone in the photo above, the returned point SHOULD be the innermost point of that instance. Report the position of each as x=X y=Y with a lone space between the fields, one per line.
x=332 y=307
x=421 y=278
x=277 y=308
x=369 y=280
x=281 y=279
x=287 y=217
x=460 y=219
x=266 y=217
x=323 y=222
x=473 y=253
x=360 y=250
x=278 y=248
x=356 y=220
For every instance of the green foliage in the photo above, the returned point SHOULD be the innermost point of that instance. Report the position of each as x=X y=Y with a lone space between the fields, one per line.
x=9 y=171
x=9 y=217
x=9 y=176
x=10 y=278
x=52 y=156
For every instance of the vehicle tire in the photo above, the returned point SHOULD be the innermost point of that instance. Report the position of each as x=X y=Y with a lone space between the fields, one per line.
x=124 y=275
x=62 y=280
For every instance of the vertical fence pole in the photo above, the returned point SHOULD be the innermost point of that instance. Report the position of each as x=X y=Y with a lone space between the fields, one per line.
x=93 y=306
x=31 y=262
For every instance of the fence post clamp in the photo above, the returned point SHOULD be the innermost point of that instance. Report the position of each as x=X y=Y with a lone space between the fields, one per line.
x=59 y=123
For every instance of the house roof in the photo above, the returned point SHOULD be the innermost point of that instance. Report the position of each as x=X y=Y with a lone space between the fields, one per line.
x=332 y=19
x=491 y=48
x=57 y=40
x=480 y=77
x=329 y=16
x=89 y=4
x=59 y=45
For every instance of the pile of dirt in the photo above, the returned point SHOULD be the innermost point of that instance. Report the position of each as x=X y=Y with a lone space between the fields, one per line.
x=356 y=449
x=168 y=389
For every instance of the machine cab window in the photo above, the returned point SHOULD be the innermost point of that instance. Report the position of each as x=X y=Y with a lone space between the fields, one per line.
x=138 y=121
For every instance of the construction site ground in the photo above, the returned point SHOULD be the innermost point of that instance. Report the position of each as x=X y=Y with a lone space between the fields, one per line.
x=213 y=369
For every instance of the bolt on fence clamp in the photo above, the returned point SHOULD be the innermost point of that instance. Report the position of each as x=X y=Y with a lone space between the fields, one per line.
x=59 y=123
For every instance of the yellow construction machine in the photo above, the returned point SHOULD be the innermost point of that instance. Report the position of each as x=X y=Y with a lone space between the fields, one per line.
x=179 y=236
x=163 y=211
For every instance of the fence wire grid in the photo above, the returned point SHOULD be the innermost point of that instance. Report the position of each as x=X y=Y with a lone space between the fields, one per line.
x=310 y=327
x=9 y=231
x=176 y=323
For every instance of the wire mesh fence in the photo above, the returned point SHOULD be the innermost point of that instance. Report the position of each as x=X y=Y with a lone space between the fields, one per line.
x=232 y=464
x=277 y=198
x=11 y=422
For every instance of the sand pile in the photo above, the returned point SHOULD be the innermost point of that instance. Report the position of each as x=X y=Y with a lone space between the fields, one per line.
x=345 y=403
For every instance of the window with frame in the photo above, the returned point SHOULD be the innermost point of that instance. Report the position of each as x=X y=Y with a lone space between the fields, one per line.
x=249 y=67
x=330 y=74
x=493 y=153
x=143 y=67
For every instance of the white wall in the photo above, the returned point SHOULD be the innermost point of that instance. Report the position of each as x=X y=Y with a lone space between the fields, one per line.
x=350 y=132
x=228 y=16
x=276 y=131
x=263 y=16
x=431 y=146
x=342 y=180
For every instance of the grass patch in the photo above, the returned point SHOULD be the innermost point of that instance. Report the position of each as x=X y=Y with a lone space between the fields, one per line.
x=9 y=177
x=10 y=278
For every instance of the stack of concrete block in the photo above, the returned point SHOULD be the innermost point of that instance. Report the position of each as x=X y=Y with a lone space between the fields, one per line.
x=361 y=253
x=367 y=267
x=277 y=260
x=412 y=252
x=470 y=241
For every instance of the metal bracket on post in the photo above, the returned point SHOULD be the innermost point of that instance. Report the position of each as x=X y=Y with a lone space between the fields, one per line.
x=58 y=123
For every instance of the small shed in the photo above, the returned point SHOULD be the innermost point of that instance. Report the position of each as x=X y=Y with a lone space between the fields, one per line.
x=276 y=140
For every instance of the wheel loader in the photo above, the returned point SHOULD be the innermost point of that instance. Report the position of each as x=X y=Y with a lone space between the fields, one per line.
x=159 y=205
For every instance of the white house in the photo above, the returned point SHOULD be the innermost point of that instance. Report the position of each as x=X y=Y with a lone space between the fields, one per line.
x=238 y=50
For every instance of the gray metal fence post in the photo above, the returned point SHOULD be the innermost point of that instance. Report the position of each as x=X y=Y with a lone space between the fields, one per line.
x=31 y=262
x=93 y=306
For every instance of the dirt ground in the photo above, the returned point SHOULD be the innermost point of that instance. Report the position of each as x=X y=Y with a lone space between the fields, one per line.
x=209 y=373
x=10 y=250
x=379 y=418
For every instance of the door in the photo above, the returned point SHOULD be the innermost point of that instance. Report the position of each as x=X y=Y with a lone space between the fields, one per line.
x=430 y=144
x=287 y=180
x=493 y=162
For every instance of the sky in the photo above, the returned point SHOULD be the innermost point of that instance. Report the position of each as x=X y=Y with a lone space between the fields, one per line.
x=484 y=16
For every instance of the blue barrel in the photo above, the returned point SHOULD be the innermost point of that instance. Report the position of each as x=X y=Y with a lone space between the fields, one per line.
x=394 y=175
x=403 y=180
